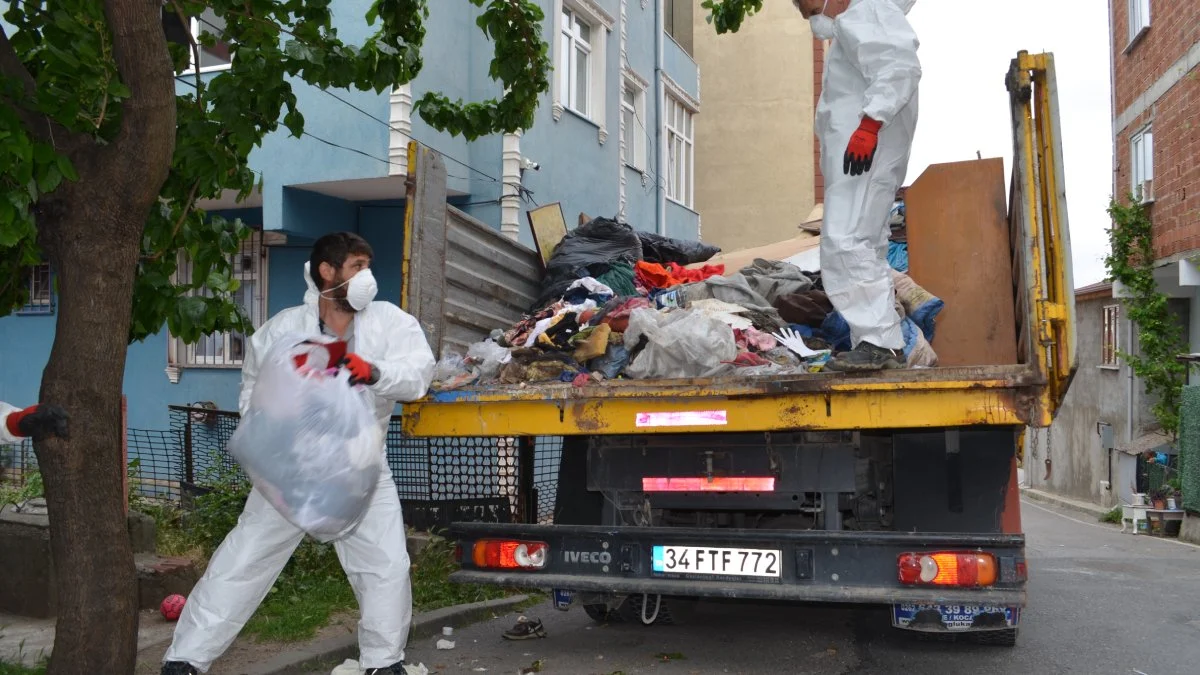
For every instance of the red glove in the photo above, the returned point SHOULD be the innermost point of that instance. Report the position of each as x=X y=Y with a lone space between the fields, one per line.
x=321 y=355
x=38 y=422
x=361 y=372
x=861 y=149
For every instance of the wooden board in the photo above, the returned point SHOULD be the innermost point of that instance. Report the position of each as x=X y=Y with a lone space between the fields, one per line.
x=959 y=250
x=548 y=227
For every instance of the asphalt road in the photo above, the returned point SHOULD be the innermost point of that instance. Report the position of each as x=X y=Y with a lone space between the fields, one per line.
x=1100 y=603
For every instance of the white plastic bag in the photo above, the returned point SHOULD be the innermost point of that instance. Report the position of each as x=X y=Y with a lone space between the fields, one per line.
x=680 y=344
x=310 y=444
x=488 y=357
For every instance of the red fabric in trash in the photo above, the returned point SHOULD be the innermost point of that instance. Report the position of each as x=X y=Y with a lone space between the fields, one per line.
x=653 y=275
x=618 y=318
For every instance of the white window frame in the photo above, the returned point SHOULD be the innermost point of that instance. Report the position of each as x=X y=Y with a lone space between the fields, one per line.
x=636 y=134
x=679 y=127
x=197 y=27
x=1139 y=19
x=1141 y=164
x=601 y=24
x=42 y=300
x=217 y=350
x=1110 y=337
x=572 y=44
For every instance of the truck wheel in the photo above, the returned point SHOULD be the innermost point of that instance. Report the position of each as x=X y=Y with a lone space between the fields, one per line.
x=602 y=614
x=997 y=638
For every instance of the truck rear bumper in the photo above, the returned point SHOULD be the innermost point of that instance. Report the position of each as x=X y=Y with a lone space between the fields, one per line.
x=815 y=566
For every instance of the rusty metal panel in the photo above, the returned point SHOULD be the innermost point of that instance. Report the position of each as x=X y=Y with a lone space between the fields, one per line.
x=490 y=281
x=959 y=250
x=871 y=409
x=462 y=279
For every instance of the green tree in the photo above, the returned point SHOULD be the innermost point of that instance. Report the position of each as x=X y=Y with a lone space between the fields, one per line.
x=101 y=167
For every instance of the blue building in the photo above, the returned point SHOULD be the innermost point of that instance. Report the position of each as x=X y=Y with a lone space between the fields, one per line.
x=614 y=136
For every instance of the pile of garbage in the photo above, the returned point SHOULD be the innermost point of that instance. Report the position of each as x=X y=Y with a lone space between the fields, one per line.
x=618 y=303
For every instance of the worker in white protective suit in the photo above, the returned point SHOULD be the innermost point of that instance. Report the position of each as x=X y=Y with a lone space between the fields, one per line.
x=865 y=121
x=35 y=422
x=386 y=350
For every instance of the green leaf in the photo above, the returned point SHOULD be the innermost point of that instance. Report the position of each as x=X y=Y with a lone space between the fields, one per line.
x=66 y=168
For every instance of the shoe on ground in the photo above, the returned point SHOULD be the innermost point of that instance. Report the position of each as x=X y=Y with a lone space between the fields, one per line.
x=525 y=630
x=866 y=358
x=396 y=668
x=179 y=668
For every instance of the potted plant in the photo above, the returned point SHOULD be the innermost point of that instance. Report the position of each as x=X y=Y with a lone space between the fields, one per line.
x=1175 y=495
x=1158 y=496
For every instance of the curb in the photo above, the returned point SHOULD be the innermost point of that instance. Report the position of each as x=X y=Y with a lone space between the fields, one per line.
x=342 y=647
x=1084 y=508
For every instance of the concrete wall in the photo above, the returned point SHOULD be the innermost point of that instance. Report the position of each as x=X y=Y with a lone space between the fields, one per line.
x=1098 y=395
x=754 y=157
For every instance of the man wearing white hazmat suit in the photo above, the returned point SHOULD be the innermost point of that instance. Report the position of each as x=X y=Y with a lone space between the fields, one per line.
x=383 y=348
x=865 y=121
x=35 y=422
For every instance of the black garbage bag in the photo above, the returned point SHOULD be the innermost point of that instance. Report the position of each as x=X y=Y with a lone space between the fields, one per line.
x=587 y=251
x=659 y=249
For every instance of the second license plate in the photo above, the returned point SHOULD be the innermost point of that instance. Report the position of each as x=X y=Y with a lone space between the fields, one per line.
x=742 y=562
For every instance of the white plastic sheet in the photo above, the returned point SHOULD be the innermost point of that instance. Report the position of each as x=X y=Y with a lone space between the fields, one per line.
x=310 y=444
x=680 y=344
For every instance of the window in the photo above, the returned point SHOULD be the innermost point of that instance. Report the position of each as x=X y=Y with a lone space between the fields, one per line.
x=41 y=291
x=580 y=62
x=633 y=111
x=679 y=127
x=677 y=22
x=574 y=71
x=1139 y=18
x=1110 y=344
x=1141 y=164
x=222 y=350
x=207 y=27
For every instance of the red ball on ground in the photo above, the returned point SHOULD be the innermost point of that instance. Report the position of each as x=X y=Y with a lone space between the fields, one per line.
x=172 y=606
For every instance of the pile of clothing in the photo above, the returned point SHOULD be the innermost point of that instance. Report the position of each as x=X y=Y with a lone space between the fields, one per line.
x=618 y=303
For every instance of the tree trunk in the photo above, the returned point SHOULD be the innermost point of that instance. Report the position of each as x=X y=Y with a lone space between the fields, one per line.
x=92 y=232
x=96 y=630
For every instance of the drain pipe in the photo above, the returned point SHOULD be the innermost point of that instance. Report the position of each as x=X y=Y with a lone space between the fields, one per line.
x=659 y=186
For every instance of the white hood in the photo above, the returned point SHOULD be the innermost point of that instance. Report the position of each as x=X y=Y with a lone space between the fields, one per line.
x=311 y=295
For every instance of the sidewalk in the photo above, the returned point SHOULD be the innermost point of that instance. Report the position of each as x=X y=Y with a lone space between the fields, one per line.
x=27 y=640
x=1085 y=508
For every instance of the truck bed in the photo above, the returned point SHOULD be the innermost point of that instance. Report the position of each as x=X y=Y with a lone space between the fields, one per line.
x=1003 y=270
x=894 y=399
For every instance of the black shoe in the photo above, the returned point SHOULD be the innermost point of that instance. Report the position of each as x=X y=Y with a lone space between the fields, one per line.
x=179 y=668
x=396 y=668
x=525 y=630
x=864 y=358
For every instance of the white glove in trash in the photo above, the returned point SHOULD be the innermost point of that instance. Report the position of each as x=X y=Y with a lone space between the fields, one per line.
x=310 y=444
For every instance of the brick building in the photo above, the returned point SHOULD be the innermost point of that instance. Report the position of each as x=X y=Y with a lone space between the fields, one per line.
x=1156 y=116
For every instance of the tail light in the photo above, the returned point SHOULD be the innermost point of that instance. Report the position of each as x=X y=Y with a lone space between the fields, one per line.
x=508 y=554
x=964 y=569
x=714 y=484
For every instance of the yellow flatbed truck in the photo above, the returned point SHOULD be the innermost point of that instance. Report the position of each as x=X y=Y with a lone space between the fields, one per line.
x=896 y=488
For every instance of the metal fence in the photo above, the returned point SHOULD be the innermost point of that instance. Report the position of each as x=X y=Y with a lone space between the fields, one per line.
x=439 y=480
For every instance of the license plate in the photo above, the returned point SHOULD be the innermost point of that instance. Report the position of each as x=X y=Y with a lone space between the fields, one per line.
x=740 y=562
x=954 y=617
x=563 y=599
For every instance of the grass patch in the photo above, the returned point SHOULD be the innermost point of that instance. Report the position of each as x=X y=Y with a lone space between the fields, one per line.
x=1113 y=516
x=312 y=587
x=430 y=580
x=9 y=668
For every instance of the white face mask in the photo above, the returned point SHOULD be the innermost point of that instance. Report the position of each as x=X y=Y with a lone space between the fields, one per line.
x=822 y=26
x=360 y=291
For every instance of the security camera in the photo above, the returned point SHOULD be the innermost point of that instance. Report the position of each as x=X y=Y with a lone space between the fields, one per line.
x=530 y=165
